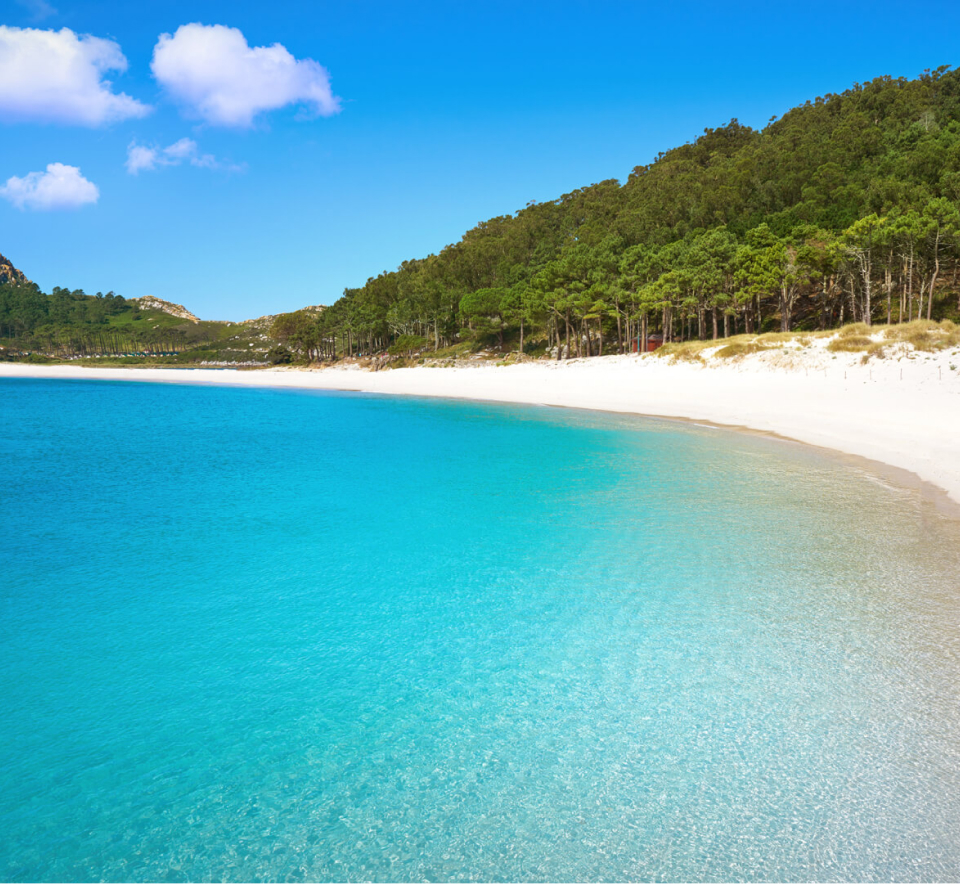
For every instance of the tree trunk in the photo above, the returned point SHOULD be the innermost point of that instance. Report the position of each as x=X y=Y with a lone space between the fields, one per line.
x=933 y=279
x=888 y=281
x=903 y=292
x=868 y=313
x=910 y=288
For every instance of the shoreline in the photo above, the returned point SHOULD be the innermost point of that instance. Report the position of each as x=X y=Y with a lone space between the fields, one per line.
x=903 y=416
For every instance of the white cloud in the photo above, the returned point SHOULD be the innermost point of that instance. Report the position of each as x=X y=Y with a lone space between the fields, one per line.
x=141 y=158
x=57 y=77
x=60 y=187
x=217 y=76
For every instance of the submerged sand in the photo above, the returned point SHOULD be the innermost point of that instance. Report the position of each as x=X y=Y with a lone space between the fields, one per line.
x=902 y=412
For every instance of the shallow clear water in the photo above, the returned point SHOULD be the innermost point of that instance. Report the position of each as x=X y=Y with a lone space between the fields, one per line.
x=258 y=634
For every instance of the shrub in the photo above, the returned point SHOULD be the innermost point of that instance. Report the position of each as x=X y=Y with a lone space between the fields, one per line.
x=406 y=345
x=279 y=355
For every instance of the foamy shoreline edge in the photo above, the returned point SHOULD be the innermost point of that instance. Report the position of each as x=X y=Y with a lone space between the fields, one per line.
x=902 y=417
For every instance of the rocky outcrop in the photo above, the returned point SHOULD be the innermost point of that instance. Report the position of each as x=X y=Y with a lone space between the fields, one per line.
x=148 y=302
x=267 y=321
x=9 y=273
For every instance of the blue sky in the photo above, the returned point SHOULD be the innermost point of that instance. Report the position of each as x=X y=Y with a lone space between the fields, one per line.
x=448 y=114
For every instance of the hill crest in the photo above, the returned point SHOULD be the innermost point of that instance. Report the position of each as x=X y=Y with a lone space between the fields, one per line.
x=9 y=273
x=149 y=302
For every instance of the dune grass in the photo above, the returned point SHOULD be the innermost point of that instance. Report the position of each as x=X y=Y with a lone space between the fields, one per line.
x=924 y=334
x=688 y=351
x=858 y=337
x=768 y=338
x=741 y=348
x=855 y=330
x=851 y=343
x=921 y=334
x=736 y=345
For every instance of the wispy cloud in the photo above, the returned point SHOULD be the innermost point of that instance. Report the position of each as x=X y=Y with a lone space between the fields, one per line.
x=39 y=9
x=59 y=187
x=217 y=77
x=144 y=158
x=58 y=77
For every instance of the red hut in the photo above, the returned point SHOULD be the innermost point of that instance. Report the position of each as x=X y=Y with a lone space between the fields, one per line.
x=653 y=342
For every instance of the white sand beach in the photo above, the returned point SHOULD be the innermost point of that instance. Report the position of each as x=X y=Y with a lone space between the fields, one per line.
x=902 y=411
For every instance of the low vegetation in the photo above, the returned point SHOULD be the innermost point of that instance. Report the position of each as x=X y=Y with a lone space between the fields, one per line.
x=872 y=341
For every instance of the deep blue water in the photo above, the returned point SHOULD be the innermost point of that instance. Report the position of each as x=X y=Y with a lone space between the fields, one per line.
x=255 y=634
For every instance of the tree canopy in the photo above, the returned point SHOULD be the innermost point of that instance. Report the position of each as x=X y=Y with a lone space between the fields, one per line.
x=845 y=209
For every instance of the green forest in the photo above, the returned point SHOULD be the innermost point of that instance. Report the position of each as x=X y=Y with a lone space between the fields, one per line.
x=72 y=324
x=844 y=210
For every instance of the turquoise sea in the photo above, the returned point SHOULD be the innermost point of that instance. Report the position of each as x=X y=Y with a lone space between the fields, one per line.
x=252 y=634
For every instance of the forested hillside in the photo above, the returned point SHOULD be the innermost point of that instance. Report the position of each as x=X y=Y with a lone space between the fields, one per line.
x=846 y=209
x=70 y=324
x=843 y=210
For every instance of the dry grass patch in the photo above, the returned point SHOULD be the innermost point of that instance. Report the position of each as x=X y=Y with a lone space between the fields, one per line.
x=688 y=351
x=777 y=338
x=923 y=334
x=851 y=343
x=876 y=349
x=740 y=348
x=727 y=348
x=855 y=330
